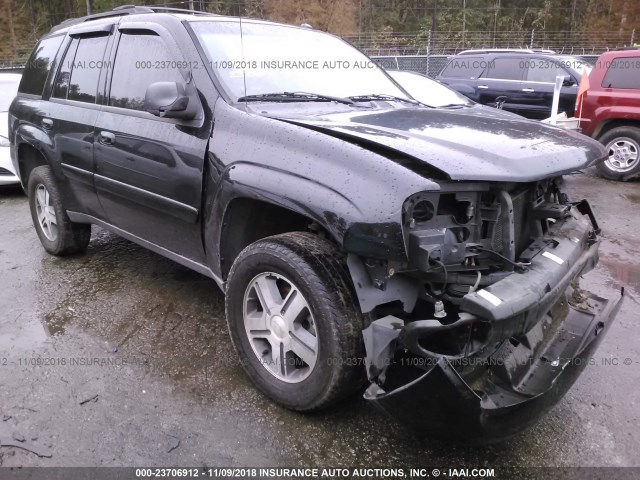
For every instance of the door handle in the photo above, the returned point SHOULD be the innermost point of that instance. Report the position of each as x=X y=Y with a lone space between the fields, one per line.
x=483 y=87
x=528 y=90
x=47 y=123
x=107 y=138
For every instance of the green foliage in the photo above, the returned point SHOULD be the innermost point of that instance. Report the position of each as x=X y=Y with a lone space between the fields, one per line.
x=388 y=22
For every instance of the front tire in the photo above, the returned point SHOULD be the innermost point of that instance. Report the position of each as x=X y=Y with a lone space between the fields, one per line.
x=58 y=234
x=294 y=321
x=623 y=145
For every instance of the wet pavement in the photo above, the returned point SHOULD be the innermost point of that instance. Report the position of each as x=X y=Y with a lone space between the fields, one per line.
x=121 y=357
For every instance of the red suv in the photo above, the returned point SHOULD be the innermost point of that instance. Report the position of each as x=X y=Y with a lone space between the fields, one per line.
x=611 y=111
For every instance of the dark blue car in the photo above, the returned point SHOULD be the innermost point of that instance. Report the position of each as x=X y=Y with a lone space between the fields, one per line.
x=525 y=77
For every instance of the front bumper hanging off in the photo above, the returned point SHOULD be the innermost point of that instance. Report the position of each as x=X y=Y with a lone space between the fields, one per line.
x=526 y=373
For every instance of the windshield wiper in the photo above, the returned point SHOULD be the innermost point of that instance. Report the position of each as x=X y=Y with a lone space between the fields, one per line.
x=381 y=96
x=294 y=97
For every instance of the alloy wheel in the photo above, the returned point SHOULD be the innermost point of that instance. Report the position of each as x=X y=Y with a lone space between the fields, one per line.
x=46 y=213
x=280 y=327
x=623 y=154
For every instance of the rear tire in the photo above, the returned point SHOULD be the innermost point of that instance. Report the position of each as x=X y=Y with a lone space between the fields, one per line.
x=294 y=320
x=58 y=234
x=623 y=144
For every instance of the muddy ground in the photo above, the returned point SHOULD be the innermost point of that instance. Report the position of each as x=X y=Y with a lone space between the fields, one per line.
x=121 y=357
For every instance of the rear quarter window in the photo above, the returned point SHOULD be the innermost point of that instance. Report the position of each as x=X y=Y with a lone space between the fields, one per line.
x=39 y=65
x=624 y=72
x=464 y=67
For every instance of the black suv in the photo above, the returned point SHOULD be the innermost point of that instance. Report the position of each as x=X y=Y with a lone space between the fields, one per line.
x=350 y=227
x=525 y=77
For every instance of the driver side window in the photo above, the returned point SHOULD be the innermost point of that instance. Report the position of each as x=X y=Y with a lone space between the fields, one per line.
x=544 y=71
x=141 y=59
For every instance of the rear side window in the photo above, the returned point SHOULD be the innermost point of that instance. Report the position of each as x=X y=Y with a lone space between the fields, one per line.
x=505 y=69
x=61 y=83
x=623 y=72
x=141 y=60
x=464 y=67
x=78 y=75
x=39 y=65
x=86 y=69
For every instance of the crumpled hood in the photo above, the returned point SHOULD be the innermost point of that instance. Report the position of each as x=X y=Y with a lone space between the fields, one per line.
x=477 y=143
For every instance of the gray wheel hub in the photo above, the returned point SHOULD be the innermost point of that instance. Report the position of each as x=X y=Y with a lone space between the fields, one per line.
x=280 y=327
x=623 y=154
x=46 y=213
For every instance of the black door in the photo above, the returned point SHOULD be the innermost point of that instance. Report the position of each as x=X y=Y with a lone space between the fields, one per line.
x=149 y=169
x=538 y=88
x=72 y=114
x=502 y=78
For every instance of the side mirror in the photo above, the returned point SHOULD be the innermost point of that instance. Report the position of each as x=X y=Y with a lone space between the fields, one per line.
x=568 y=81
x=168 y=100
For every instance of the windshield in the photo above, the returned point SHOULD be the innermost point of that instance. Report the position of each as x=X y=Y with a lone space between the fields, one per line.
x=8 y=89
x=428 y=91
x=276 y=58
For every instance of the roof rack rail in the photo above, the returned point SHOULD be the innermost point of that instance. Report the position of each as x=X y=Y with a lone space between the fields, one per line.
x=116 y=12
x=507 y=50
x=179 y=10
x=124 y=10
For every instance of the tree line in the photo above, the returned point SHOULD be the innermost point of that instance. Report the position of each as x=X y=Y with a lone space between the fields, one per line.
x=23 y=21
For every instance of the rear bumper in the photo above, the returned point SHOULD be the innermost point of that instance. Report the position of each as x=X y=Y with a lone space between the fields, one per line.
x=9 y=180
x=521 y=384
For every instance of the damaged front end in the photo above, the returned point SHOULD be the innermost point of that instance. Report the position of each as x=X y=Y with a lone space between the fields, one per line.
x=485 y=326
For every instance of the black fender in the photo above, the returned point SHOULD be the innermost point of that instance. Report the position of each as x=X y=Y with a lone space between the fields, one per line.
x=357 y=197
x=28 y=134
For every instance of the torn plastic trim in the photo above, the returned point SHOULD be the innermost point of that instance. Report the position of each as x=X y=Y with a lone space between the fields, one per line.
x=415 y=332
x=440 y=402
x=571 y=252
x=397 y=287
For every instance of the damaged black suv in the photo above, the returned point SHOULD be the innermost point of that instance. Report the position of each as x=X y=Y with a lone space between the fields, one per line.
x=351 y=228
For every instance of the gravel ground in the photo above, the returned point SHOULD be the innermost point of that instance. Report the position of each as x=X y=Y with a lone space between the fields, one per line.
x=120 y=357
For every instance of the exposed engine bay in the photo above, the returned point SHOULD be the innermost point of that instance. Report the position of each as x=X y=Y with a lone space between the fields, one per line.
x=489 y=313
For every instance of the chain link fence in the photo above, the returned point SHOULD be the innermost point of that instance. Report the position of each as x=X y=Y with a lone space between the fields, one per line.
x=449 y=43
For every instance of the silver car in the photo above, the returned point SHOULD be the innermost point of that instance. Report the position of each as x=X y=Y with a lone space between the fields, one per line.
x=8 y=88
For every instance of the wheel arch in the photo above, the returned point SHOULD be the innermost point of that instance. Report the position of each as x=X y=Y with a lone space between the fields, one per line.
x=255 y=201
x=31 y=144
x=610 y=124
x=29 y=157
x=247 y=219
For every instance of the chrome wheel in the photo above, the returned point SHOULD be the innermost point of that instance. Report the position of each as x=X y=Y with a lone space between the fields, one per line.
x=623 y=154
x=46 y=213
x=280 y=327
